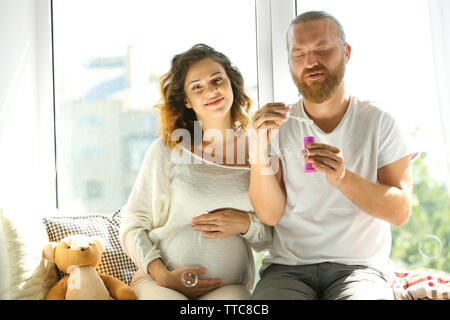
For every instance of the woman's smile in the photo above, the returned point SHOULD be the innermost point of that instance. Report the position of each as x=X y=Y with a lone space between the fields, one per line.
x=214 y=102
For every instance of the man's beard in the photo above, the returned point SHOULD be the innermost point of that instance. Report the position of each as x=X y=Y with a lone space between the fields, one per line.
x=322 y=90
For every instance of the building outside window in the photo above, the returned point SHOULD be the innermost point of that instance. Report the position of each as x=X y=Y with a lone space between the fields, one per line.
x=106 y=77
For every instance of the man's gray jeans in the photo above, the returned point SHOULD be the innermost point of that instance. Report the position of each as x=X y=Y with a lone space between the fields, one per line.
x=326 y=281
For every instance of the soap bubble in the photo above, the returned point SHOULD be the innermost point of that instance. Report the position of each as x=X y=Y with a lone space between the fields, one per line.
x=430 y=247
x=189 y=278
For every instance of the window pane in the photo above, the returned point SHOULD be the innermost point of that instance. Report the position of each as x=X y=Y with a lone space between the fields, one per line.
x=108 y=58
x=391 y=63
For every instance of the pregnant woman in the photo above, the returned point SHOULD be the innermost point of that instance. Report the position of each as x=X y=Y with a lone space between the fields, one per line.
x=189 y=209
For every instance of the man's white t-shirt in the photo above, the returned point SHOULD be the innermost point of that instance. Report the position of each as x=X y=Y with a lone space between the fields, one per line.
x=319 y=223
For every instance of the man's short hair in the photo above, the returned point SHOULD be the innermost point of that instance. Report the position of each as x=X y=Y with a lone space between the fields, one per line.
x=317 y=15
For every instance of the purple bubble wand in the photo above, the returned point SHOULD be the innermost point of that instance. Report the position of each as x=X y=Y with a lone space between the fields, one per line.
x=308 y=165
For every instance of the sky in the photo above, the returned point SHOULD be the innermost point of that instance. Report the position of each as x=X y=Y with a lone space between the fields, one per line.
x=164 y=28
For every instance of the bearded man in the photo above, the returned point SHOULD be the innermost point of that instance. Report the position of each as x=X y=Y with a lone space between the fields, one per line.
x=332 y=237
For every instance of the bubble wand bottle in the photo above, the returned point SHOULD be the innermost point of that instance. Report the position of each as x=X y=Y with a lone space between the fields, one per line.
x=309 y=139
x=308 y=165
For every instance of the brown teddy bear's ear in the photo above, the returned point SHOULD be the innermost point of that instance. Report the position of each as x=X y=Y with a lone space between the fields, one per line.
x=49 y=251
x=99 y=242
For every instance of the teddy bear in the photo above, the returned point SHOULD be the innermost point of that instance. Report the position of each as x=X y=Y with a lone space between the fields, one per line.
x=78 y=256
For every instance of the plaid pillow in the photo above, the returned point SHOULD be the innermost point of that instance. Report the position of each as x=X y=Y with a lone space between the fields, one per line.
x=115 y=261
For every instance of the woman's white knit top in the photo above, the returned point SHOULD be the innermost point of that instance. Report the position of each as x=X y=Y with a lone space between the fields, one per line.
x=171 y=188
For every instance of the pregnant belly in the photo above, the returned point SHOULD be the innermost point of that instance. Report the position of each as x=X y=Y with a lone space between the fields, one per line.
x=224 y=258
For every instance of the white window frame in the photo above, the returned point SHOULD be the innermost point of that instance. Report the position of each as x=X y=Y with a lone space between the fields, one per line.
x=274 y=82
x=45 y=95
x=272 y=21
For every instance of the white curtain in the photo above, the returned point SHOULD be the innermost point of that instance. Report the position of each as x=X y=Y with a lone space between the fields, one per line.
x=27 y=168
x=440 y=34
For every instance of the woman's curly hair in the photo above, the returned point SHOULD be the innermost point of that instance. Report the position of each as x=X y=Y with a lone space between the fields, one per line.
x=173 y=113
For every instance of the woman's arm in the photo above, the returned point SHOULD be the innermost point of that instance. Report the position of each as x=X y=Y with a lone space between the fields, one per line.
x=259 y=234
x=138 y=219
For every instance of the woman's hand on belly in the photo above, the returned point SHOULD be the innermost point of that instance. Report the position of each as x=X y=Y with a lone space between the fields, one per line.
x=222 y=223
x=172 y=280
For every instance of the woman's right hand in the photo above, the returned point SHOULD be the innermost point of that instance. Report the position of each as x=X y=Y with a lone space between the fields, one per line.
x=172 y=279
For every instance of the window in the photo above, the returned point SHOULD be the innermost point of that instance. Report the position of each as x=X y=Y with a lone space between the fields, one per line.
x=107 y=69
x=391 y=63
x=93 y=189
x=108 y=58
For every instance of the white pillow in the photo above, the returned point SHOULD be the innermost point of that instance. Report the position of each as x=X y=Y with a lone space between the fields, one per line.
x=29 y=275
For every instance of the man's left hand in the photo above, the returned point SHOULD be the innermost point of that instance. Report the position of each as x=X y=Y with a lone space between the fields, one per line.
x=328 y=160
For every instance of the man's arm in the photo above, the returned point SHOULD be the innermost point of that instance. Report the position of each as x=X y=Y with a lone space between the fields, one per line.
x=389 y=199
x=267 y=192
